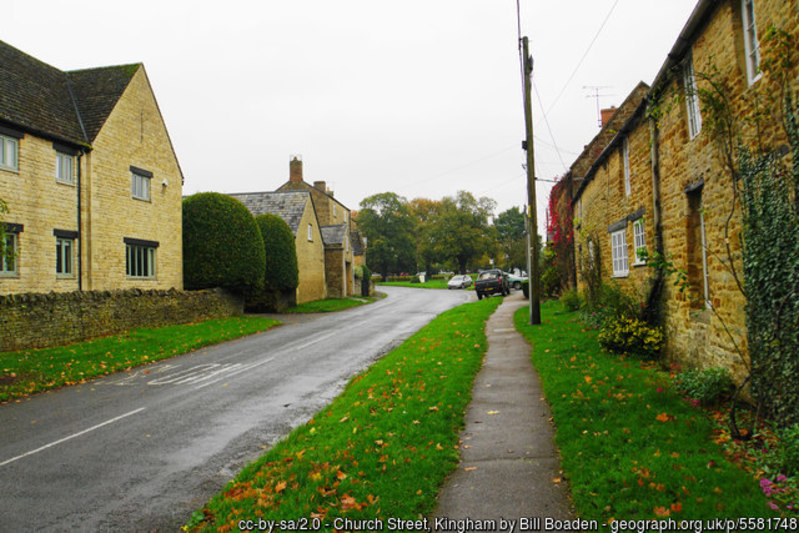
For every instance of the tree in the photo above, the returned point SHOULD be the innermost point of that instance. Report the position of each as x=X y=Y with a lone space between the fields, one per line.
x=281 y=275
x=222 y=246
x=511 y=238
x=461 y=231
x=424 y=213
x=386 y=221
x=560 y=234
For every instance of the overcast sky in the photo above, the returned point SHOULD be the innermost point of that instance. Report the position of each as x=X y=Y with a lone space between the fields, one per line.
x=419 y=97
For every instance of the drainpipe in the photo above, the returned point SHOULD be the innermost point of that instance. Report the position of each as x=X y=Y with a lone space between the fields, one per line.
x=654 y=302
x=80 y=228
x=654 y=135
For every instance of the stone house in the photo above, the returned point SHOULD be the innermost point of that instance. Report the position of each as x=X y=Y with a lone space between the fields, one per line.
x=297 y=210
x=662 y=184
x=328 y=246
x=91 y=179
x=338 y=232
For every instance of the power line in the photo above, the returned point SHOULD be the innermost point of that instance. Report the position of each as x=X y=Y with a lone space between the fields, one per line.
x=461 y=167
x=549 y=128
x=579 y=63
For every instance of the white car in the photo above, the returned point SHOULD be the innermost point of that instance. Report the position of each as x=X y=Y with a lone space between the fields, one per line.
x=459 y=282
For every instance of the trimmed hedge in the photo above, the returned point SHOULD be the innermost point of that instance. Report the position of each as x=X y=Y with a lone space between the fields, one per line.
x=281 y=253
x=281 y=275
x=222 y=246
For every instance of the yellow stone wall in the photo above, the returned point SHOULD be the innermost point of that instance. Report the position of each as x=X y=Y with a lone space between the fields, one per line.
x=310 y=259
x=133 y=135
x=41 y=205
x=697 y=335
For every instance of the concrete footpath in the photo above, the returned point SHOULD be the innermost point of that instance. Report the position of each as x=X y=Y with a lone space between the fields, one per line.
x=509 y=466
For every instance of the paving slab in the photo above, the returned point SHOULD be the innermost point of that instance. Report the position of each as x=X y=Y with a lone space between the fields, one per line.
x=510 y=469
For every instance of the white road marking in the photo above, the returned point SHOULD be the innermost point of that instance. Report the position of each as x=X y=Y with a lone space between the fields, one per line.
x=78 y=434
x=235 y=372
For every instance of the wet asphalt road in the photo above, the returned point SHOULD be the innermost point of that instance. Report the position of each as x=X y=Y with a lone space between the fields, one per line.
x=141 y=450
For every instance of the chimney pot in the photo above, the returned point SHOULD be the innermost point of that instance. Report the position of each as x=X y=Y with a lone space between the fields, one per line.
x=607 y=114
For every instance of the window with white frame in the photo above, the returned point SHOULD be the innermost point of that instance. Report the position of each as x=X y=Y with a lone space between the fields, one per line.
x=140 y=183
x=64 y=172
x=751 y=44
x=8 y=259
x=140 y=259
x=310 y=232
x=639 y=242
x=626 y=155
x=9 y=152
x=64 y=254
x=618 y=246
x=691 y=98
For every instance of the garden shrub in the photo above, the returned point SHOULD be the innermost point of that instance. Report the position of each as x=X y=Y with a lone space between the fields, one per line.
x=609 y=302
x=706 y=386
x=771 y=278
x=366 y=280
x=281 y=270
x=571 y=300
x=632 y=337
x=222 y=246
x=789 y=450
x=281 y=275
x=526 y=288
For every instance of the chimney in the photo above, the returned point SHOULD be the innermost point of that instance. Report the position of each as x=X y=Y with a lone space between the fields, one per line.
x=320 y=185
x=607 y=114
x=295 y=169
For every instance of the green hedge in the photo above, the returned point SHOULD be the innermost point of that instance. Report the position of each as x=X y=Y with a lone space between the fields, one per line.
x=281 y=253
x=222 y=246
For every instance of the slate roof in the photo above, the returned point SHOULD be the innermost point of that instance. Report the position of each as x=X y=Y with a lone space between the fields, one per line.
x=357 y=242
x=68 y=106
x=332 y=235
x=288 y=205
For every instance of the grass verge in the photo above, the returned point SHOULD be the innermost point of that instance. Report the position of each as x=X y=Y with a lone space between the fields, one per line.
x=631 y=447
x=381 y=449
x=28 y=371
x=430 y=284
x=330 y=305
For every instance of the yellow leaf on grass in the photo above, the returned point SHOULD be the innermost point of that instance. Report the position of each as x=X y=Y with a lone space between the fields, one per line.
x=280 y=487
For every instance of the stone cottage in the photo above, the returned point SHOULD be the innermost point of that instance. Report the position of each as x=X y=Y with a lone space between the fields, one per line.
x=338 y=234
x=297 y=210
x=90 y=177
x=662 y=185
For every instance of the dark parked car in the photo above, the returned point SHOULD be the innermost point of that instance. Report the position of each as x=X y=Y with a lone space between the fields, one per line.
x=492 y=281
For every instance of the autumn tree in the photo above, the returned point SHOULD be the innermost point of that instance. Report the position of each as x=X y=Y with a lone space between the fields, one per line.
x=511 y=238
x=461 y=231
x=386 y=221
x=425 y=213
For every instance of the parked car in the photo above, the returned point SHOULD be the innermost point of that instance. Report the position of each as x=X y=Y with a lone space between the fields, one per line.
x=492 y=281
x=459 y=282
x=515 y=281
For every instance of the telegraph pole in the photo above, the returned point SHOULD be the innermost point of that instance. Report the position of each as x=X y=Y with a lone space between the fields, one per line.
x=535 y=300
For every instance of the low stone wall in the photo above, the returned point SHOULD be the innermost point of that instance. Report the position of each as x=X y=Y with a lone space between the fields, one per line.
x=37 y=320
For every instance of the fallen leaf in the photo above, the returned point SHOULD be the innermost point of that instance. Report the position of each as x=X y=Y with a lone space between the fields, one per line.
x=492 y=412
x=470 y=468
x=280 y=487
